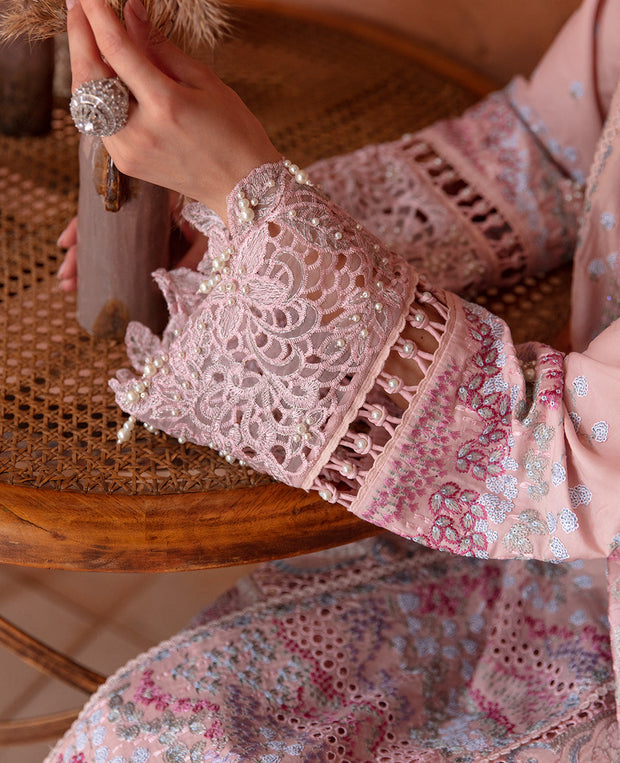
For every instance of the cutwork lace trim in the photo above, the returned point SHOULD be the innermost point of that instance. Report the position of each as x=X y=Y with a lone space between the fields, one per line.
x=275 y=344
x=378 y=418
x=469 y=202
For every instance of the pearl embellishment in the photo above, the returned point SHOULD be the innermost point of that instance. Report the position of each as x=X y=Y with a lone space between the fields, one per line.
x=246 y=213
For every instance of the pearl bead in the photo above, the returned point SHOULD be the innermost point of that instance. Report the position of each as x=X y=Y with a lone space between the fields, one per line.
x=247 y=215
x=296 y=438
x=231 y=301
x=346 y=469
x=326 y=495
x=293 y=168
x=365 y=294
x=378 y=307
x=181 y=440
x=241 y=462
x=200 y=325
x=174 y=412
x=361 y=443
x=356 y=317
x=364 y=333
x=225 y=255
x=243 y=203
x=379 y=285
x=408 y=348
x=393 y=383
x=158 y=362
x=301 y=176
x=376 y=414
x=418 y=318
x=302 y=428
x=245 y=289
x=340 y=343
x=194 y=374
x=149 y=369
x=132 y=396
x=140 y=387
x=315 y=221
x=291 y=213
x=338 y=235
x=185 y=385
x=230 y=459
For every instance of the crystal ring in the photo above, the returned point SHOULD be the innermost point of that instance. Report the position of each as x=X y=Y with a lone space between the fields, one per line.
x=100 y=107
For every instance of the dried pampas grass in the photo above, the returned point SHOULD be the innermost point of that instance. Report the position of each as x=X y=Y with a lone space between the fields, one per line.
x=190 y=23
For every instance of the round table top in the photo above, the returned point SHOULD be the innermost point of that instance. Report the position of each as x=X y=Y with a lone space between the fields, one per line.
x=69 y=496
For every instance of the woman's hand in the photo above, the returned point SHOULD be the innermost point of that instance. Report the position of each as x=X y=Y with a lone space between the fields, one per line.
x=186 y=130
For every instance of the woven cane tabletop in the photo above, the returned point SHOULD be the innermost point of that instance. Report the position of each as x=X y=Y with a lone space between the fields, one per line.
x=319 y=90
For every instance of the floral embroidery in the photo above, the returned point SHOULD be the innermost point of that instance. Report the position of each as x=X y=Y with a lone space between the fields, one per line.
x=608 y=220
x=517 y=538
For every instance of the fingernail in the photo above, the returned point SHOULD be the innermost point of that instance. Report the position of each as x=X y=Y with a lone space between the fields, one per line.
x=61 y=239
x=70 y=4
x=139 y=10
x=61 y=270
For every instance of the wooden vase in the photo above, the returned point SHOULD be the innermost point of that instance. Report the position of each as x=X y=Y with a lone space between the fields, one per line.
x=26 y=86
x=123 y=236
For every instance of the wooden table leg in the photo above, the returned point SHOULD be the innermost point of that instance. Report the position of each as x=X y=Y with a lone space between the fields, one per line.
x=37 y=729
x=52 y=663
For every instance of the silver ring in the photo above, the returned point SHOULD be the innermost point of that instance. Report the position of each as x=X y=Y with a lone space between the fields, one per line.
x=100 y=107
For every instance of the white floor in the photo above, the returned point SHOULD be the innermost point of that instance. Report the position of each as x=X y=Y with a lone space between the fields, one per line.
x=100 y=619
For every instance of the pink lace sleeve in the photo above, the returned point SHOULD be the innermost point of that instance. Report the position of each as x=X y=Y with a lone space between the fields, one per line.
x=277 y=342
x=469 y=202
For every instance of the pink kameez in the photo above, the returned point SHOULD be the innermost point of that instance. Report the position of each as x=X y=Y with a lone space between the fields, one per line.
x=485 y=625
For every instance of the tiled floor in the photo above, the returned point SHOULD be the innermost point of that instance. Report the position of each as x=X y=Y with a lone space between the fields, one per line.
x=100 y=619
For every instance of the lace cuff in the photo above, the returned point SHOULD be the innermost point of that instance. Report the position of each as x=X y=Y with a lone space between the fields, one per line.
x=275 y=345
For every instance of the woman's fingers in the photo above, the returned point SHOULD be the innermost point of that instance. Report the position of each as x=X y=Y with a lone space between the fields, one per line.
x=69 y=235
x=160 y=51
x=86 y=62
x=67 y=273
x=128 y=61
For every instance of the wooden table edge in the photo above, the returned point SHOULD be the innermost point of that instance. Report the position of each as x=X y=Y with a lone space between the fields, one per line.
x=97 y=531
